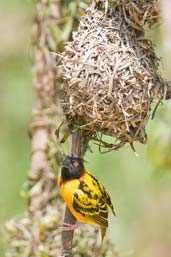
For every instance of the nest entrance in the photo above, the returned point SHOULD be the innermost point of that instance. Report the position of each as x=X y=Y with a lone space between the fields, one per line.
x=110 y=77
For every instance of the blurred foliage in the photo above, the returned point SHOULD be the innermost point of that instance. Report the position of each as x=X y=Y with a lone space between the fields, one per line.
x=15 y=104
x=139 y=186
x=71 y=12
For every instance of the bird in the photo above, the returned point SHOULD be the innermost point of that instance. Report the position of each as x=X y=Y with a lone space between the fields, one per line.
x=84 y=194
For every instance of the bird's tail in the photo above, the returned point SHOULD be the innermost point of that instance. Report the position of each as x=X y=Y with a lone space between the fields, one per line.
x=103 y=232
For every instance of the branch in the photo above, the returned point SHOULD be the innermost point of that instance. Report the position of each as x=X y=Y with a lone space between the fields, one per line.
x=69 y=219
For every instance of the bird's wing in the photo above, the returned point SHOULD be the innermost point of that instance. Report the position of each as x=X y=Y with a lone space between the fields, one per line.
x=103 y=192
x=90 y=203
x=109 y=202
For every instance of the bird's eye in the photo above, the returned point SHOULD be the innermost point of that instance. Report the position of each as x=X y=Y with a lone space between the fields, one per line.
x=76 y=164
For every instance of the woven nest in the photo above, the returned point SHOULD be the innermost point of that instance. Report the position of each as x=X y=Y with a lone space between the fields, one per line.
x=110 y=76
x=141 y=12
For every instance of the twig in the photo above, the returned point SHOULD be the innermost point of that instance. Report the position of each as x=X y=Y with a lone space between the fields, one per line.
x=69 y=219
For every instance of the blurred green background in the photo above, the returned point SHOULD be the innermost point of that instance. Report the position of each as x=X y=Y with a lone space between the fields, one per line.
x=16 y=96
x=140 y=186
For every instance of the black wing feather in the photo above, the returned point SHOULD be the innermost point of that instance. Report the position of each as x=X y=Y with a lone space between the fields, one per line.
x=91 y=204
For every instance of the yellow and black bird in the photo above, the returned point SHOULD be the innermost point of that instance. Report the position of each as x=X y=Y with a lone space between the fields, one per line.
x=84 y=194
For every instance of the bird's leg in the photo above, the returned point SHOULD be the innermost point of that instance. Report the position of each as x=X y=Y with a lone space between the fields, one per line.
x=69 y=227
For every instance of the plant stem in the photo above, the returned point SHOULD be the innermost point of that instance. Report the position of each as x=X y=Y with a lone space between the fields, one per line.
x=69 y=219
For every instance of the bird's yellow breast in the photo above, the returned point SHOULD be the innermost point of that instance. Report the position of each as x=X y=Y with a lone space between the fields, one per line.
x=68 y=189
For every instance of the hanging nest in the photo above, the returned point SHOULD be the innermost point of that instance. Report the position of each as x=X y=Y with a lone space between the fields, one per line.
x=110 y=75
x=139 y=12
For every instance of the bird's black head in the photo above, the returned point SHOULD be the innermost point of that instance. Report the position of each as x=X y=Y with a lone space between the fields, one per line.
x=72 y=168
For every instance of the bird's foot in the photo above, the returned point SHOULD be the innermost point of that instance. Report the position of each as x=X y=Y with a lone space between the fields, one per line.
x=69 y=227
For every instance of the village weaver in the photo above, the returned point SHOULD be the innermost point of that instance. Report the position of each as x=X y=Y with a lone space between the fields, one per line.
x=84 y=194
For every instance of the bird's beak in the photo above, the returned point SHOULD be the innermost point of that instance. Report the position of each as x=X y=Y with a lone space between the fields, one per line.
x=65 y=163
